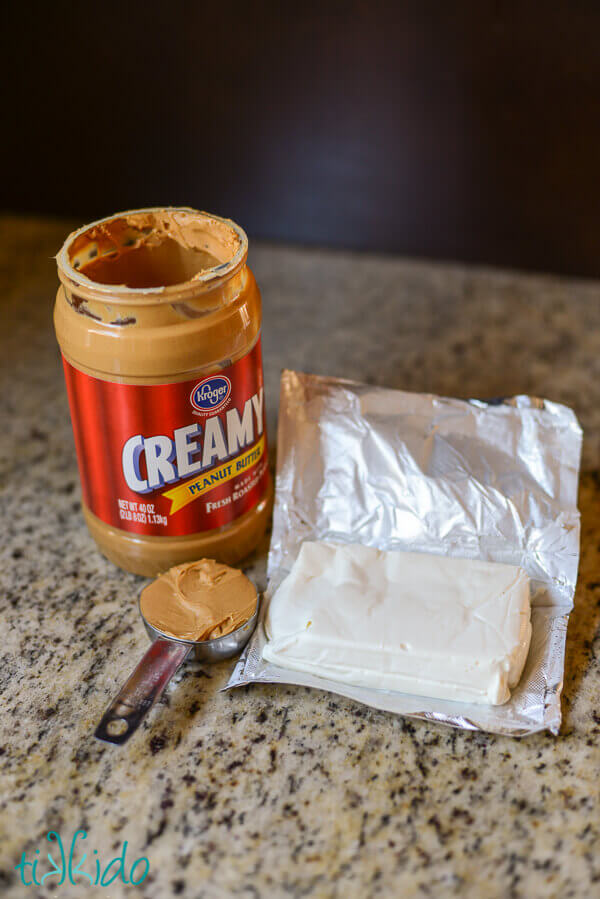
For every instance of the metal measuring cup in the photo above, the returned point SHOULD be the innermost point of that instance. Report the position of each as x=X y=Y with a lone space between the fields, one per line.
x=160 y=663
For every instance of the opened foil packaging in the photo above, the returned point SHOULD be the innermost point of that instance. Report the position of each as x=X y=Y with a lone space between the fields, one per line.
x=494 y=480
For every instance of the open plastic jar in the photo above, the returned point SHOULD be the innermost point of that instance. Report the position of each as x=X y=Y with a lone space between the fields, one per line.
x=158 y=319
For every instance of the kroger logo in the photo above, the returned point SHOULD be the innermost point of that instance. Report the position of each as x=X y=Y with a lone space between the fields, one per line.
x=211 y=394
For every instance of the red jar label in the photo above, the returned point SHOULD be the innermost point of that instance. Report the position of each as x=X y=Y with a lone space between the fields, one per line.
x=171 y=459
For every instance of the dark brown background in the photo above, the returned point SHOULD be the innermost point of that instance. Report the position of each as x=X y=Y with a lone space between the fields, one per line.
x=461 y=130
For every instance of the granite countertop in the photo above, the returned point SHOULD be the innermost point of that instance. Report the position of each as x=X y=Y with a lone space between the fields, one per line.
x=269 y=791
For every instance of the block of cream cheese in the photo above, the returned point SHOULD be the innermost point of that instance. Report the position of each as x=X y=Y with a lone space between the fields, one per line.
x=415 y=623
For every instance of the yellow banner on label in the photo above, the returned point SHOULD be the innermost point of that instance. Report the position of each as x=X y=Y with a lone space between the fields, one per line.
x=184 y=494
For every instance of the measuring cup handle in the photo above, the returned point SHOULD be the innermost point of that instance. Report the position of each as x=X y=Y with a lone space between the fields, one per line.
x=141 y=690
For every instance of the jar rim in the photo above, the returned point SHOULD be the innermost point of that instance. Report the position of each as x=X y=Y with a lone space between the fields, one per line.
x=206 y=279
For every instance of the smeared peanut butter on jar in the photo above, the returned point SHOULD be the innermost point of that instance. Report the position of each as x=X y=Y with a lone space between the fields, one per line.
x=199 y=601
x=156 y=298
x=154 y=249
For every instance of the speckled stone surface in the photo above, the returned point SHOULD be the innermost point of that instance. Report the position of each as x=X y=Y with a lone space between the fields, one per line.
x=264 y=791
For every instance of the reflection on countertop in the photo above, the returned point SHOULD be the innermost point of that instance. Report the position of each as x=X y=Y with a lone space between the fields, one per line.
x=279 y=791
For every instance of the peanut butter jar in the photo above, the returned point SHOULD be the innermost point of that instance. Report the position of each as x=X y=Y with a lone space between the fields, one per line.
x=158 y=318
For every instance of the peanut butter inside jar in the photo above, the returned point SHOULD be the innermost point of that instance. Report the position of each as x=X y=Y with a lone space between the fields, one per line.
x=158 y=319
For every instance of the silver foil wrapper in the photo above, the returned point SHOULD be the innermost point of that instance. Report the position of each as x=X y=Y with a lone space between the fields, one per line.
x=494 y=480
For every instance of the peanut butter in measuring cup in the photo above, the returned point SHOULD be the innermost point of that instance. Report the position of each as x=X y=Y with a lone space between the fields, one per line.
x=158 y=319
